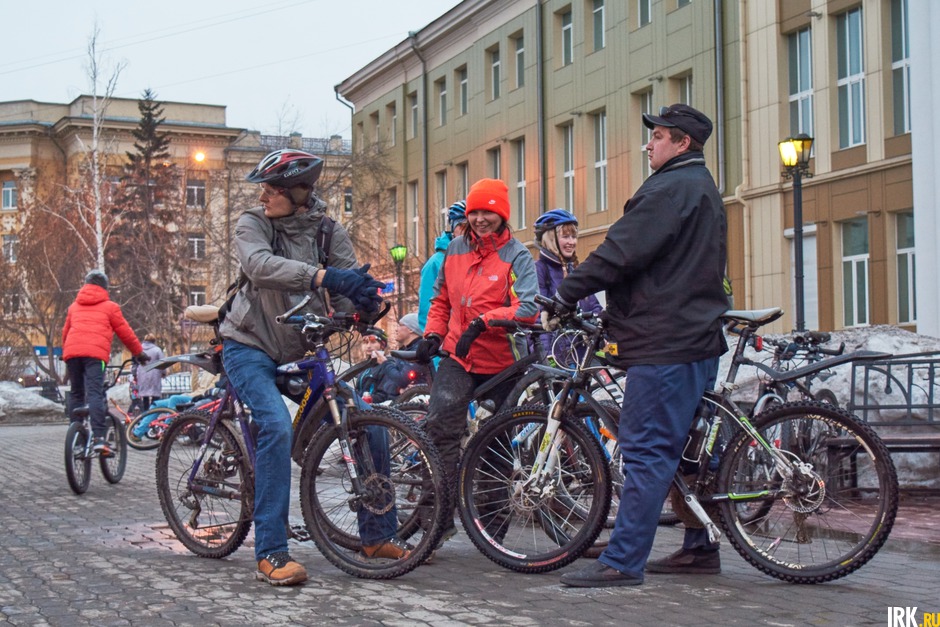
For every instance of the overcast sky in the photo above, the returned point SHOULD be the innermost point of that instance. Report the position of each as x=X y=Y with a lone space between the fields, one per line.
x=265 y=61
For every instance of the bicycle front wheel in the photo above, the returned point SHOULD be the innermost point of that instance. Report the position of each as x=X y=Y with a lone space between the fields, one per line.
x=829 y=492
x=112 y=466
x=403 y=495
x=523 y=519
x=77 y=464
x=206 y=495
x=150 y=437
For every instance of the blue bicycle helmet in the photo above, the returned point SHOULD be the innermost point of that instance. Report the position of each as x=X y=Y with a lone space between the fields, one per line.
x=553 y=219
x=457 y=214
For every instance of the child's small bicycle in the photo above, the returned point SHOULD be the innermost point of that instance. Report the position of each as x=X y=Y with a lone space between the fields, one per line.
x=78 y=444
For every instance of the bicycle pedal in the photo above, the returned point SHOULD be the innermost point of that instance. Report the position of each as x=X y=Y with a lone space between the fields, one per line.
x=298 y=532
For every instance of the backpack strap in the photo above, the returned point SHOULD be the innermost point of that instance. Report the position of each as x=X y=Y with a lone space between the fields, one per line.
x=325 y=239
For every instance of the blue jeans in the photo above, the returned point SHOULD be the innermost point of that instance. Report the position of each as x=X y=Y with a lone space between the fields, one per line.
x=87 y=388
x=253 y=372
x=658 y=408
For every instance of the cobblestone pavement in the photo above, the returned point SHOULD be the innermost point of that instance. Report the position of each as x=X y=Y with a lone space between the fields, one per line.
x=108 y=558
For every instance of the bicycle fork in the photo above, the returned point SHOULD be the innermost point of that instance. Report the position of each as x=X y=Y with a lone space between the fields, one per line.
x=547 y=456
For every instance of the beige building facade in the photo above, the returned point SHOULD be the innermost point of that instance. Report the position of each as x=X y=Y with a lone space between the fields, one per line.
x=42 y=146
x=548 y=96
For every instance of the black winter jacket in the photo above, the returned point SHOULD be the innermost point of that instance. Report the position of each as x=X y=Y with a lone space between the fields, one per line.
x=662 y=265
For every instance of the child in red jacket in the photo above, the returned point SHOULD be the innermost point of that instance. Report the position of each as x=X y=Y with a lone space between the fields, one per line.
x=90 y=325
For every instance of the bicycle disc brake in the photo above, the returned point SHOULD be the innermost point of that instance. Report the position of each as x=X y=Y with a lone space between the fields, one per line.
x=379 y=497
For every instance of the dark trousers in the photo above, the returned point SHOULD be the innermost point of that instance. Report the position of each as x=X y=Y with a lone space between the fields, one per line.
x=87 y=377
x=658 y=408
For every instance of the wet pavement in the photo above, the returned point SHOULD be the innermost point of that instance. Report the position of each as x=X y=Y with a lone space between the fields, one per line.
x=108 y=558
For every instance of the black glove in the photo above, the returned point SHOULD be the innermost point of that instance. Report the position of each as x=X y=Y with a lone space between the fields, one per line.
x=356 y=285
x=560 y=307
x=477 y=326
x=142 y=358
x=427 y=348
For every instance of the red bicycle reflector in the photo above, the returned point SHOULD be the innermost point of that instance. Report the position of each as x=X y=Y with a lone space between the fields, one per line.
x=412 y=375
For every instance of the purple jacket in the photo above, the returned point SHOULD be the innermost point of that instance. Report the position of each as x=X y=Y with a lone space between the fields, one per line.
x=549 y=271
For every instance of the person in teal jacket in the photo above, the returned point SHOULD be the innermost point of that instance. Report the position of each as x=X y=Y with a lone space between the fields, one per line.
x=457 y=221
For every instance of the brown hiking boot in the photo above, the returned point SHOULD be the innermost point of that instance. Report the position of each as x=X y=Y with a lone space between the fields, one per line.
x=278 y=569
x=391 y=549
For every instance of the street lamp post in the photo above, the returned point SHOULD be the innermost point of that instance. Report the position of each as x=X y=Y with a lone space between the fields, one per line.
x=399 y=252
x=794 y=154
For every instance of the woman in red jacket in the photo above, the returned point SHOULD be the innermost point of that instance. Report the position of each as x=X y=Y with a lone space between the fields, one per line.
x=487 y=275
x=90 y=325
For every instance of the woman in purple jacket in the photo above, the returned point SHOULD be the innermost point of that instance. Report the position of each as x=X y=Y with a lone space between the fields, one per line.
x=556 y=233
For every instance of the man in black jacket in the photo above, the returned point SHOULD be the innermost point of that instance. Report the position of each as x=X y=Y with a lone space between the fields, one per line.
x=662 y=265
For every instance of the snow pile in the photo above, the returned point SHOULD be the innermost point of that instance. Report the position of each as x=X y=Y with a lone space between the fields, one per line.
x=19 y=405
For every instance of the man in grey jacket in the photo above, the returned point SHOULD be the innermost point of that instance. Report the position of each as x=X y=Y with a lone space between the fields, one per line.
x=276 y=245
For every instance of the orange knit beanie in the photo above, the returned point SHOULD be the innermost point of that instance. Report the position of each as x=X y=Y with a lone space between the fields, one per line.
x=489 y=195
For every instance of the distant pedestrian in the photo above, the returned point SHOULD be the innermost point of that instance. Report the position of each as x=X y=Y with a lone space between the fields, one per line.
x=427 y=289
x=150 y=382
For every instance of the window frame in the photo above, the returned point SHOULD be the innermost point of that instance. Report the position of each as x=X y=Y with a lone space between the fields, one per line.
x=518 y=211
x=801 y=95
x=599 y=123
x=901 y=66
x=567 y=37
x=599 y=24
x=851 y=77
x=567 y=165
x=10 y=194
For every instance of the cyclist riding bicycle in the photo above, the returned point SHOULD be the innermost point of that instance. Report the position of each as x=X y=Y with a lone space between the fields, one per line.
x=90 y=325
x=279 y=252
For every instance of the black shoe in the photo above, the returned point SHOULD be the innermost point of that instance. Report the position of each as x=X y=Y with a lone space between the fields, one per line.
x=688 y=562
x=599 y=575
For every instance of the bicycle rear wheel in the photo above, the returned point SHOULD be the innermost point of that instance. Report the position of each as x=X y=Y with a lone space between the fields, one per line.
x=207 y=497
x=404 y=494
x=77 y=464
x=521 y=525
x=112 y=467
x=832 y=509
x=150 y=439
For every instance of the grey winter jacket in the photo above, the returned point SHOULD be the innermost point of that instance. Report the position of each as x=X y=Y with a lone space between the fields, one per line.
x=150 y=382
x=280 y=259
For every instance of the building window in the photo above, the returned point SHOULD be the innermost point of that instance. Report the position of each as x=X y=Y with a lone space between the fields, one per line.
x=801 y=82
x=682 y=3
x=907 y=301
x=413 y=104
x=195 y=194
x=567 y=39
x=644 y=12
x=9 y=195
x=413 y=215
x=646 y=106
x=520 y=61
x=391 y=114
x=463 y=176
x=901 y=66
x=376 y=128
x=493 y=158
x=685 y=90
x=600 y=161
x=851 y=82
x=494 y=73
x=391 y=230
x=442 y=101
x=517 y=219
x=855 y=272
x=347 y=201
x=197 y=246
x=440 y=179
x=597 y=19
x=197 y=295
x=10 y=245
x=567 y=165
x=464 y=92
x=11 y=303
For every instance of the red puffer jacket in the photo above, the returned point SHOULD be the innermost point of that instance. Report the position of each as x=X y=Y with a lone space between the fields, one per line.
x=91 y=323
x=495 y=281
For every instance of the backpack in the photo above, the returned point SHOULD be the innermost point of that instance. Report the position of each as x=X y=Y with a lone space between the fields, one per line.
x=324 y=241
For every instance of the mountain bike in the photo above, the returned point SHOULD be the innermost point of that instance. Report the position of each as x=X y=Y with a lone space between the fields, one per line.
x=359 y=465
x=79 y=442
x=823 y=481
x=534 y=485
